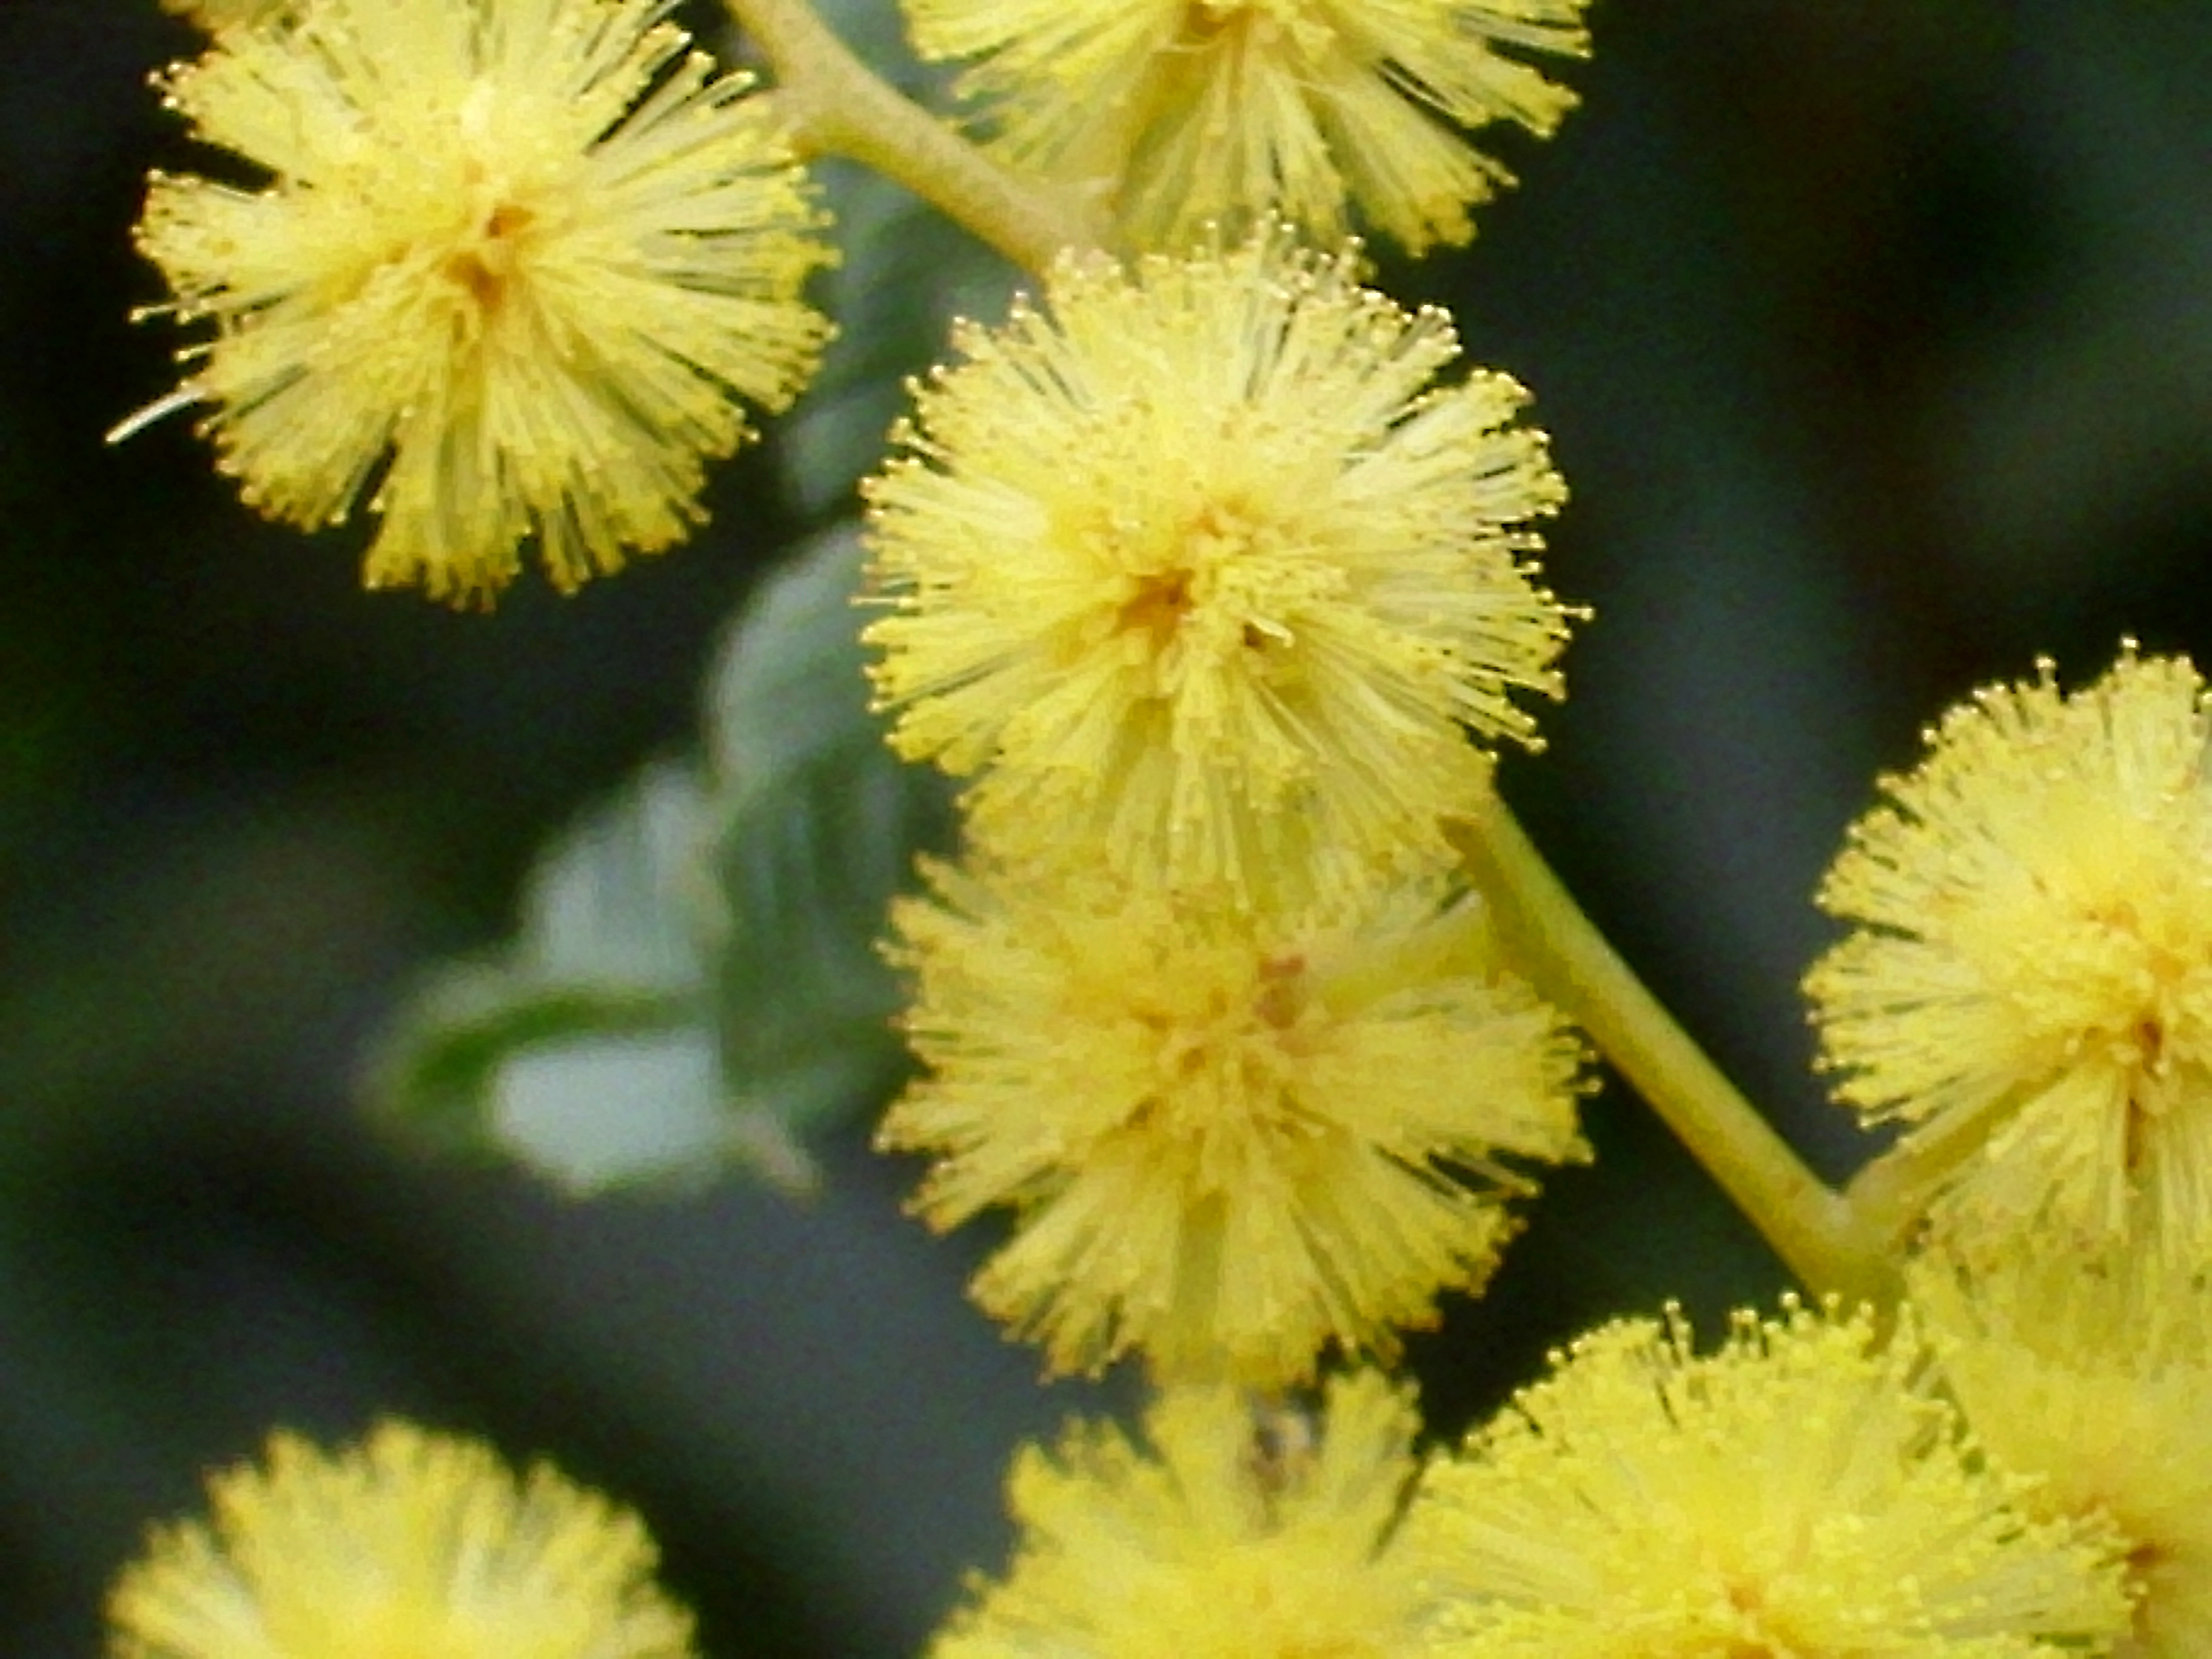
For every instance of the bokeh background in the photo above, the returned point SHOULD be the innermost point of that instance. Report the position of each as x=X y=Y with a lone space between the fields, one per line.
x=1875 y=337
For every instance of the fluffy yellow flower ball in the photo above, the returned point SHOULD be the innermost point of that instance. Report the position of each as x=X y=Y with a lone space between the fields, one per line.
x=1802 y=1490
x=1231 y=1138
x=1182 y=114
x=1203 y=578
x=1240 y=1536
x=2028 y=980
x=410 y=1543
x=512 y=264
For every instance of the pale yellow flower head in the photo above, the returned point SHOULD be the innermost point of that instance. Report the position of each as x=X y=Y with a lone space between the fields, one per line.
x=1231 y=1139
x=514 y=264
x=1204 y=576
x=2096 y=1375
x=1799 y=1491
x=2029 y=982
x=1239 y=1537
x=1180 y=113
x=410 y=1544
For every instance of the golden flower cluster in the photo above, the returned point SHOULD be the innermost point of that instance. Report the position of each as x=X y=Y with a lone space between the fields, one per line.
x=1233 y=1137
x=1239 y=1534
x=1204 y=571
x=1220 y=595
x=1205 y=584
x=408 y=1543
x=1805 y=1489
x=2026 y=987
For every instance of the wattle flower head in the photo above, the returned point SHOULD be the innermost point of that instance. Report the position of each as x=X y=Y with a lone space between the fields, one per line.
x=1801 y=1491
x=1231 y=1139
x=513 y=265
x=2095 y=1374
x=1240 y=1536
x=1186 y=112
x=407 y=1544
x=1201 y=574
x=2029 y=981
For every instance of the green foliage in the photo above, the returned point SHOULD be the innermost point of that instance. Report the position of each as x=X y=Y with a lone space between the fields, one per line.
x=905 y=272
x=694 y=986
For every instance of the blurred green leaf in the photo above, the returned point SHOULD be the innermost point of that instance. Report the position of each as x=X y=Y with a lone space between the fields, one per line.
x=695 y=986
x=906 y=272
x=587 y=1052
x=876 y=34
x=818 y=826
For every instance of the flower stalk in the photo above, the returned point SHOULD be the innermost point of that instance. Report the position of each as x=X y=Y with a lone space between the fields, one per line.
x=833 y=104
x=1815 y=1230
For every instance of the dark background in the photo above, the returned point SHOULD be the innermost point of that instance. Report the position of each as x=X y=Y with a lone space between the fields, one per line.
x=1876 y=341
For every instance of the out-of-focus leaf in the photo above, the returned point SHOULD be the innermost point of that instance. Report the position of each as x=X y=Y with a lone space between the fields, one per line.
x=818 y=826
x=588 y=1051
x=876 y=34
x=611 y=1108
x=906 y=272
x=694 y=985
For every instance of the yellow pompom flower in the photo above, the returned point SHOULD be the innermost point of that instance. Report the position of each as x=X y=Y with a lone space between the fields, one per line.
x=1799 y=1491
x=2096 y=1375
x=1205 y=577
x=407 y=1543
x=1240 y=1538
x=1231 y=1139
x=514 y=263
x=1181 y=112
x=2029 y=984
